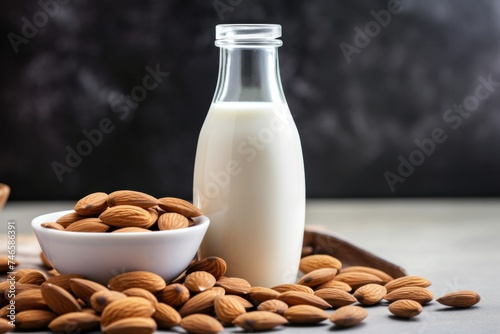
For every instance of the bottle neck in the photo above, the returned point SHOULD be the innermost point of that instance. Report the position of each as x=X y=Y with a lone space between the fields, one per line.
x=249 y=74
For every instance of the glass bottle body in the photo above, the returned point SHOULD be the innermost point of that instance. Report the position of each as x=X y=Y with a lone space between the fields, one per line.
x=249 y=172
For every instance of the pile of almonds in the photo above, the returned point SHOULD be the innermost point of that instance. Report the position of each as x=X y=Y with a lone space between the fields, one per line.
x=126 y=211
x=203 y=300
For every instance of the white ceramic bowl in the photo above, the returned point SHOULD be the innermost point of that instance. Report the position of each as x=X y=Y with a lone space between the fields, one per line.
x=100 y=256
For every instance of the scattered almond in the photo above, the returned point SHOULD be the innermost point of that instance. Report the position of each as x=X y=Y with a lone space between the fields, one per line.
x=333 y=284
x=139 y=292
x=131 y=325
x=418 y=294
x=348 y=316
x=305 y=314
x=199 y=281
x=34 y=277
x=318 y=261
x=259 y=321
x=234 y=285
x=63 y=280
x=227 y=309
x=137 y=279
x=370 y=294
x=45 y=261
x=407 y=281
x=302 y=298
x=29 y=300
x=200 y=303
x=464 y=298
x=75 y=322
x=405 y=308
x=33 y=320
x=293 y=287
x=174 y=295
x=260 y=294
x=5 y=326
x=318 y=276
x=59 y=300
x=379 y=273
x=336 y=298
x=166 y=316
x=212 y=264
x=201 y=323
x=273 y=305
x=126 y=308
x=84 y=288
x=355 y=279
x=100 y=299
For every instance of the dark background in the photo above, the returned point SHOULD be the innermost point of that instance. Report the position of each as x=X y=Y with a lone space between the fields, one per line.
x=355 y=119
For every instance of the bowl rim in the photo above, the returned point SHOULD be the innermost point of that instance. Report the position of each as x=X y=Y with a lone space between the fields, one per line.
x=36 y=225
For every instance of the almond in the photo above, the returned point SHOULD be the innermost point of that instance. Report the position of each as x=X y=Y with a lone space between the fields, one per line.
x=153 y=216
x=54 y=226
x=34 y=277
x=30 y=299
x=317 y=277
x=126 y=308
x=68 y=219
x=370 y=294
x=293 y=287
x=126 y=216
x=386 y=278
x=259 y=321
x=348 y=316
x=172 y=221
x=139 y=292
x=45 y=261
x=212 y=264
x=88 y=225
x=305 y=314
x=59 y=300
x=100 y=299
x=199 y=281
x=74 y=322
x=129 y=197
x=418 y=294
x=464 y=298
x=200 y=303
x=234 y=285
x=174 y=295
x=137 y=279
x=355 y=279
x=132 y=325
x=201 y=323
x=166 y=316
x=5 y=326
x=92 y=204
x=273 y=305
x=333 y=284
x=63 y=280
x=318 y=261
x=302 y=298
x=32 y=320
x=405 y=308
x=23 y=272
x=407 y=281
x=260 y=294
x=336 y=298
x=220 y=291
x=4 y=264
x=131 y=229
x=245 y=303
x=227 y=309
x=84 y=288
x=172 y=204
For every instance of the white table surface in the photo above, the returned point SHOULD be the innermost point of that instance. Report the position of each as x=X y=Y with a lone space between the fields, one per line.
x=455 y=243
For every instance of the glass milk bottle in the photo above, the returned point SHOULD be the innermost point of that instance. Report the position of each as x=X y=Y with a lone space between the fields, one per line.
x=249 y=170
